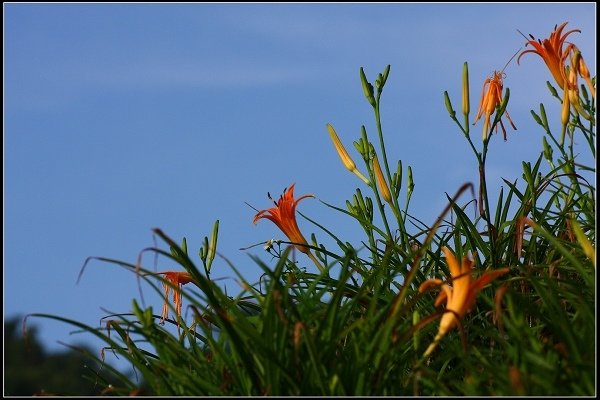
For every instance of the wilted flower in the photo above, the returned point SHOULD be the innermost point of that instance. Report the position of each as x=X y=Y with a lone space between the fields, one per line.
x=490 y=100
x=177 y=279
x=580 y=67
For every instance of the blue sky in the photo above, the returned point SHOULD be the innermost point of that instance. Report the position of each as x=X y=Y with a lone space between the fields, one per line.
x=119 y=118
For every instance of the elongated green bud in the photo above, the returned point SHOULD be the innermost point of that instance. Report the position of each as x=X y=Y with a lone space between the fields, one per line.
x=397 y=179
x=547 y=150
x=384 y=77
x=369 y=209
x=552 y=89
x=503 y=105
x=411 y=183
x=466 y=105
x=537 y=118
x=362 y=145
x=543 y=115
x=367 y=87
x=585 y=94
x=449 y=105
x=184 y=245
x=212 y=247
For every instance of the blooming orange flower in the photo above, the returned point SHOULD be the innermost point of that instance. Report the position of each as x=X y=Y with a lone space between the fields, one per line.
x=490 y=99
x=178 y=279
x=284 y=216
x=552 y=52
x=461 y=296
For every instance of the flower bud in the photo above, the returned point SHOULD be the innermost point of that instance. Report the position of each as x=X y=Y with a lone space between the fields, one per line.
x=344 y=156
x=583 y=71
x=367 y=87
x=547 y=150
x=383 y=186
x=564 y=115
x=449 y=105
x=411 y=184
x=465 y=90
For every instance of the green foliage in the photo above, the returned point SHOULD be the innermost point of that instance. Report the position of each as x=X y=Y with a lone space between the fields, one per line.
x=362 y=327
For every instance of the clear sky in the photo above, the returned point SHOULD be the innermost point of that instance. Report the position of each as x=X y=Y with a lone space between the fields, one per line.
x=119 y=118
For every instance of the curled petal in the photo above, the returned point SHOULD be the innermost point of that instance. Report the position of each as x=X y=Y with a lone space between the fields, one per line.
x=445 y=294
x=428 y=283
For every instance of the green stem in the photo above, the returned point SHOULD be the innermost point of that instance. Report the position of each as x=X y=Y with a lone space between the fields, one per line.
x=395 y=207
x=484 y=199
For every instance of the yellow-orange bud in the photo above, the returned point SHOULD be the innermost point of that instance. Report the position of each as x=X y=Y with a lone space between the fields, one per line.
x=571 y=88
x=383 y=186
x=579 y=64
x=344 y=156
x=486 y=126
x=564 y=115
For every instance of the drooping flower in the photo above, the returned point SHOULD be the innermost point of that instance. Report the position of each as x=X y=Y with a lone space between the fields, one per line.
x=490 y=99
x=580 y=67
x=177 y=279
x=284 y=216
x=461 y=296
x=552 y=52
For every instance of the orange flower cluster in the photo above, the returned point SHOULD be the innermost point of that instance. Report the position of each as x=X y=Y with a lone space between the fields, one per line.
x=555 y=52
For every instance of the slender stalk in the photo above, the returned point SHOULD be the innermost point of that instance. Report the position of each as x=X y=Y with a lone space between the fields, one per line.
x=395 y=208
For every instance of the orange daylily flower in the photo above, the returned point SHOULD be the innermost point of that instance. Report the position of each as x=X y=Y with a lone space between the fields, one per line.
x=490 y=99
x=552 y=52
x=461 y=296
x=284 y=216
x=178 y=279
